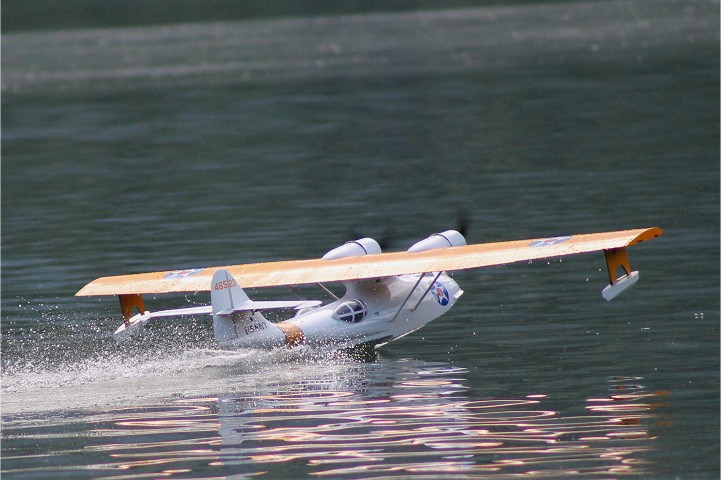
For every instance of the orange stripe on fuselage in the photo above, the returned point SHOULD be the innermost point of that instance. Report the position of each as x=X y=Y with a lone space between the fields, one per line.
x=293 y=334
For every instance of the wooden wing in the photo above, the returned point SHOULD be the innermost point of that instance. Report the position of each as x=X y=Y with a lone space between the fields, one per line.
x=295 y=272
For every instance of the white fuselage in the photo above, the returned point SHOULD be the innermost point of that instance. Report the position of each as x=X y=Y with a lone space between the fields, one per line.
x=373 y=311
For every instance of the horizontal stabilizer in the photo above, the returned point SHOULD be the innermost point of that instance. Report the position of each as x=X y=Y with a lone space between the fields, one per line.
x=179 y=312
x=135 y=324
x=250 y=305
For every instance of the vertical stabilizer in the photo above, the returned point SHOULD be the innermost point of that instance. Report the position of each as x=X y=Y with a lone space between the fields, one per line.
x=225 y=293
x=235 y=319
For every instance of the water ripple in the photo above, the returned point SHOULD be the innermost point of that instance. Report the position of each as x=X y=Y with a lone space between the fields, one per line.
x=419 y=424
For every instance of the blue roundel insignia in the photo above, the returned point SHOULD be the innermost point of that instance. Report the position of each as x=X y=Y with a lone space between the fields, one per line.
x=182 y=273
x=547 y=242
x=440 y=293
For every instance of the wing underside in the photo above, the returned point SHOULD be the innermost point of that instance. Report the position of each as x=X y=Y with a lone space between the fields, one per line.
x=295 y=272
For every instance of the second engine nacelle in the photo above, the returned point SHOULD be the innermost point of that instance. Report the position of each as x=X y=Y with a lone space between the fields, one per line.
x=449 y=238
x=356 y=248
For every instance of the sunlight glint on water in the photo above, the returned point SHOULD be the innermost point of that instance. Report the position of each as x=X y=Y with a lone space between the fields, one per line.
x=428 y=426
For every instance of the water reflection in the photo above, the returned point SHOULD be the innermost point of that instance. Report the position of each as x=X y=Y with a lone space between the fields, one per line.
x=427 y=426
x=386 y=420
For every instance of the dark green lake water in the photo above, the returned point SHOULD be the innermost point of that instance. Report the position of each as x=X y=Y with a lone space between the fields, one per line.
x=135 y=149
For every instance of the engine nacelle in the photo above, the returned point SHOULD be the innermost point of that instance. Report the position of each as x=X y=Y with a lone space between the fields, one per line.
x=449 y=238
x=356 y=248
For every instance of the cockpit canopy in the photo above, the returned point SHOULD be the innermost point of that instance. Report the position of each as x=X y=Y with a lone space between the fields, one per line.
x=351 y=311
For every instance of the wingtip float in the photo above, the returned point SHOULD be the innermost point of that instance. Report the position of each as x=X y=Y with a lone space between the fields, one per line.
x=388 y=295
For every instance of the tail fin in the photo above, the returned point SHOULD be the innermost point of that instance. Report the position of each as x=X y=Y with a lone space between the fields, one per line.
x=235 y=319
x=225 y=293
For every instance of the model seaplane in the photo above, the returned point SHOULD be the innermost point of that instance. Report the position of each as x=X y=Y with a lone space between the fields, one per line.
x=387 y=295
